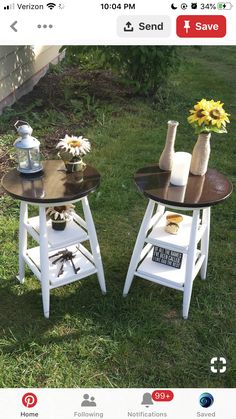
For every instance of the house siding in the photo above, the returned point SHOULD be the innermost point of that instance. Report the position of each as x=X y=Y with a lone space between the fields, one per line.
x=21 y=67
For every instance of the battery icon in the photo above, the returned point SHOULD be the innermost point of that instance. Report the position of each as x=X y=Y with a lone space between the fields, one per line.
x=224 y=6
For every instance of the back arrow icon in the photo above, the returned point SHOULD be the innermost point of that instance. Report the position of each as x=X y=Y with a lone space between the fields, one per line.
x=12 y=26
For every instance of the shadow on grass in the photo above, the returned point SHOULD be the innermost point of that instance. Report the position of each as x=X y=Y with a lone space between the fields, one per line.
x=131 y=341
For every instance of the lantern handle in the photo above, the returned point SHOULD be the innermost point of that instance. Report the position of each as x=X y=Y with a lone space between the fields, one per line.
x=17 y=122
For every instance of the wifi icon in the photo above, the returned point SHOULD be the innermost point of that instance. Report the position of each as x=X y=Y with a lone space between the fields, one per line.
x=51 y=5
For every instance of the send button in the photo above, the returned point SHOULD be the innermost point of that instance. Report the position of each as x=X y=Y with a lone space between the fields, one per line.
x=144 y=26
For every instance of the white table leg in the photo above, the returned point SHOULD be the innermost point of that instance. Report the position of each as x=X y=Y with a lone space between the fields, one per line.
x=190 y=264
x=22 y=240
x=138 y=246
x=94 y=243
x=44 y=261
x=206 y=218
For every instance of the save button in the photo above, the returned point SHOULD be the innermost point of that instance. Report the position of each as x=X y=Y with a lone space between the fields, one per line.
x=197 y=26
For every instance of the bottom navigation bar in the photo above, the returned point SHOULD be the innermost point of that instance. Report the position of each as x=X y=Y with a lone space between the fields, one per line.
x=117 y=403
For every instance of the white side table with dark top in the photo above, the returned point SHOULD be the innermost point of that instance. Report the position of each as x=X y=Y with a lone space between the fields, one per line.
x=192 y=241
x=56 y=187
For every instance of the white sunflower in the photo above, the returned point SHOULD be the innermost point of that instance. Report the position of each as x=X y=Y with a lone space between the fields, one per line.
x=77 y=146
x=63 y=212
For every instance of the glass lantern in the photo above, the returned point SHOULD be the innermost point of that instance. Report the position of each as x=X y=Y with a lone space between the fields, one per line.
x=27 y=148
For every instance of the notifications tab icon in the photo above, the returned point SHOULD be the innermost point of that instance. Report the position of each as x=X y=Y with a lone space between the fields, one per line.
x=197 y=26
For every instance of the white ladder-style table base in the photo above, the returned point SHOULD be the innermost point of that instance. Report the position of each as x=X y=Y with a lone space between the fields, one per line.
x=193 y=231
x=50 y=241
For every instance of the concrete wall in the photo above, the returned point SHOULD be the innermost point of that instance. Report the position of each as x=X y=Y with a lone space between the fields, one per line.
x=21 y=67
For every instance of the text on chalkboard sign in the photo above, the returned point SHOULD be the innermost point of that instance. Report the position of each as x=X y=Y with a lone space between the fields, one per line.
x=167 y=257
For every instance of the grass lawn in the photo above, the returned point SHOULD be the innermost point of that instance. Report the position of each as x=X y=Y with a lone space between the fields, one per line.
x=92 y=340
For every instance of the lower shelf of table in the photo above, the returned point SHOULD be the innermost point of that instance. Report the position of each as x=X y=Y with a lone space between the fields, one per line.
x=87 y=268
x=72 y=234
x=167 y=275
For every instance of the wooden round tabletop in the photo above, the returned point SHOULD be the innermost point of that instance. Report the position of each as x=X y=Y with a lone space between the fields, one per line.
x=53 y=185
x=200 y=191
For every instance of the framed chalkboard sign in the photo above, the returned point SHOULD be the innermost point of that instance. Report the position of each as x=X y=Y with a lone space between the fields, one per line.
x=167 y=257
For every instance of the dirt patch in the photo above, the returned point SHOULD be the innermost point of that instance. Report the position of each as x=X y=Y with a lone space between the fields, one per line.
x=73 y=83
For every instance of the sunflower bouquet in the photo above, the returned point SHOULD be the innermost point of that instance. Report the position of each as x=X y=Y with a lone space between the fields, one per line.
x=208 y=116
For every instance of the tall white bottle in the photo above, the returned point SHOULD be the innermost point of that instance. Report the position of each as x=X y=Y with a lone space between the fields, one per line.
x=166 y=159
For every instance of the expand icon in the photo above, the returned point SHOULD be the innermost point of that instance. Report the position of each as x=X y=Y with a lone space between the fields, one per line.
x=218 y=365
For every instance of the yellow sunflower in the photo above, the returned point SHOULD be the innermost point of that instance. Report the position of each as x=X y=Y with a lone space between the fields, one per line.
x=217 y=114
x=209 y=116
x=200 y=113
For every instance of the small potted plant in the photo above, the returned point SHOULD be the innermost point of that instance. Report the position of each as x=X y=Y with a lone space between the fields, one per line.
x=72 y=149
x=60 y=215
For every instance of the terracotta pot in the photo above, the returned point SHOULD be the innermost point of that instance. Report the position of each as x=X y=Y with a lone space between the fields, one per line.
x=200 y=155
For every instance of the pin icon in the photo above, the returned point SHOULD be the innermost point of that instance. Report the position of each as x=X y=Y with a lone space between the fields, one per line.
x=186 y=25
